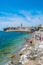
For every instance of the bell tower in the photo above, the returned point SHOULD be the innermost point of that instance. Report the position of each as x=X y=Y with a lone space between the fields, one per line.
x=21 y=25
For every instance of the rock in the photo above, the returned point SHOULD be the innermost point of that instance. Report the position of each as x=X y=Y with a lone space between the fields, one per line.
x=11 y=55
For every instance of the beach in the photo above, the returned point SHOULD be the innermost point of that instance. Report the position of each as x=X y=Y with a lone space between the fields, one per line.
x=32 y=54
x=11 y=43
x=26 y=50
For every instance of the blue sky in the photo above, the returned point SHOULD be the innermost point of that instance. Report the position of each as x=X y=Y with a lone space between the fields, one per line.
x=16 y=12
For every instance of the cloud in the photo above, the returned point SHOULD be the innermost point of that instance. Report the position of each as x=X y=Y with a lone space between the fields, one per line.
x=22 y=17
x=35 y=19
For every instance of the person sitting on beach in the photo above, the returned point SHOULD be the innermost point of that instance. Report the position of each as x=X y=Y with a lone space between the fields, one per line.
x=31 y=41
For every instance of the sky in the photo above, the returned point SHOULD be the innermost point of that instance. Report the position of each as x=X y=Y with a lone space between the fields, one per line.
x=17 y=12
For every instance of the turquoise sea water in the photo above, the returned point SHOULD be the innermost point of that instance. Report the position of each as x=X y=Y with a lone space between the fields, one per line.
x=12 y=43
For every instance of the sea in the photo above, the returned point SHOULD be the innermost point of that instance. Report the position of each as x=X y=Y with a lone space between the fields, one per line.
x=11 y=42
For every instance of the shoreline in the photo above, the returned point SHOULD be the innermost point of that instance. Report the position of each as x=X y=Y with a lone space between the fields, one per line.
x=23 y=45
x=22 y=48
x=28 y=54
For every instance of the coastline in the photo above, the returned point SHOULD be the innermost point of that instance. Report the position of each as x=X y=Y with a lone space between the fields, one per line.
x=17 y=58
x=29 y=54
x=15 y=40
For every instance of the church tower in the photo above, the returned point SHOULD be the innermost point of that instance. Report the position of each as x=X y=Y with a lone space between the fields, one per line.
x=21 y=25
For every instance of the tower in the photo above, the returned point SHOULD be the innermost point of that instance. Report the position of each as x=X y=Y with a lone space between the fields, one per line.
x=21 y=26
